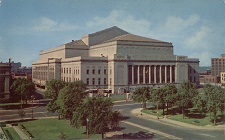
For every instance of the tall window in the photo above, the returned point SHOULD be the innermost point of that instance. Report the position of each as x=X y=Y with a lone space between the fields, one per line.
x=105 y=71
x=87 y=71
x=99 y=71
x=93 y=81
x=87 y=81
x=104 y=81
x=93 y=71
x=99 y=81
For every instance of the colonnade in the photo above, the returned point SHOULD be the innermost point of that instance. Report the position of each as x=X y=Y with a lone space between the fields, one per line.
x=147 y=74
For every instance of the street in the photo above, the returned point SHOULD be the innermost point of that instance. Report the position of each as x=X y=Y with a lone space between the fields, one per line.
x=163 y=131
x=133 y=127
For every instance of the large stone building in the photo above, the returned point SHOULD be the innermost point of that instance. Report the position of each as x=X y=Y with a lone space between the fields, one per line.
x=116 y=60
x=5 y=77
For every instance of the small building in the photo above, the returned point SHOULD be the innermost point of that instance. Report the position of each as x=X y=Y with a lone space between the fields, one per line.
x=222 y=78
x=5 y=77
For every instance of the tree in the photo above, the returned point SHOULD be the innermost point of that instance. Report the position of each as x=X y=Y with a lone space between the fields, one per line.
x=186 y=93
x=70 y=98
x=215 y=100
x=22 y=89
x=200 y=103
x=142 y=95
x=170 y=91
x=97 y=115
x=158 y=96
x=52 y=91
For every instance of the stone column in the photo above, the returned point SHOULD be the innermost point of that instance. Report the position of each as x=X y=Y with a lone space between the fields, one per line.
x=171 y=74
x=149 y=74
x=175 y=73
x=160 y=74
x=138 y=74
x=144 y=74
x=132 y=74
x=165 y=74
x=154 y=73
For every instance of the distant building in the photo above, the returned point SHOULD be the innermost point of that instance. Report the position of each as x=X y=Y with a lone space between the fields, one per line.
x=22 y=72
x=209 y=79
x=218 y=65
x=5 y=77
x=15 y=66
x=115 y=60
x=222 y=78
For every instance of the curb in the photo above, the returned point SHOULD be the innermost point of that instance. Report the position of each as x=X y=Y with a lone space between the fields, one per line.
x=137 y=112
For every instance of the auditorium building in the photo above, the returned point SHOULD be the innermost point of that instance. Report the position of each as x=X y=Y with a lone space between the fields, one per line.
x=115 y=60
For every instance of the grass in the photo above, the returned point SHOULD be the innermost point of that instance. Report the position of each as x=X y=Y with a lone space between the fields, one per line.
x=9 y=104
x=52 y=128
x=118 y=97
x=193 y=117
x=11 y=133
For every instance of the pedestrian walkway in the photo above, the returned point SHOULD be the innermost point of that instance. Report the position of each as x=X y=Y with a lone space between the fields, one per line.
x=2 y=134
x=20 y=133
x=137 y=112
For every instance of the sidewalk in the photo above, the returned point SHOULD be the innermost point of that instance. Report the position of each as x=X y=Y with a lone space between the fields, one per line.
x=20 y=133
x=137 y=112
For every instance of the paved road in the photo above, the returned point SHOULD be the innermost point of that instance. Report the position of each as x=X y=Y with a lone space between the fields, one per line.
x=162 y=130
x=133 y=127
x=39 y=111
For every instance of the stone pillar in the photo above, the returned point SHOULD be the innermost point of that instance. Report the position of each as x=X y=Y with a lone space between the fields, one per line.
x=132 y=69
x=175 y=73
x=171 y=74
x=149 y=74
x=165 y=74
x=144 y=74
x=160 y=74
x=138 y=74
x=154 y=73
x=6 y=85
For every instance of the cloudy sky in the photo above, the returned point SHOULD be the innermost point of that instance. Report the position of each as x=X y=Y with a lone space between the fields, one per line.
x=195 y=27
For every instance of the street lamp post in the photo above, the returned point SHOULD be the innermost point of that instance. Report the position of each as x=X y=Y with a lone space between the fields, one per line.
x=157 y=110
x=87 y=127
x=32 y=97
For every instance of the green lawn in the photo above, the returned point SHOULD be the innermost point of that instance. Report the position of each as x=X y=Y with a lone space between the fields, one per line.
x=9 y=104
x=51 y=128
x=118 y=97
x=192 y=117
x=11 y=133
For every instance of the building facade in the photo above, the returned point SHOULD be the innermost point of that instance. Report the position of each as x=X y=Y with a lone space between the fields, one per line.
x=116 y=60
x=5 y=77
x=218 y=65
x=222 y=78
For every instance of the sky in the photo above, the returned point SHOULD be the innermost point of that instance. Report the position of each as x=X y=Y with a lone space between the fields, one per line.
x=195 y=27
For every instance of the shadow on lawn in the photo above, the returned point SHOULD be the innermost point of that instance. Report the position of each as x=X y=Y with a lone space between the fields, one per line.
x=138 y=135
x=18 y=106
x=19 y=121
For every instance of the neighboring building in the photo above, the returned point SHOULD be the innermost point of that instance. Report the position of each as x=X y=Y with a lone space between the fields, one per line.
x=22 y=72
x=15 y=66
x=209 y=79
x=222 y=78
x=5 y=77
x=115 y=60
x=218 y=65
